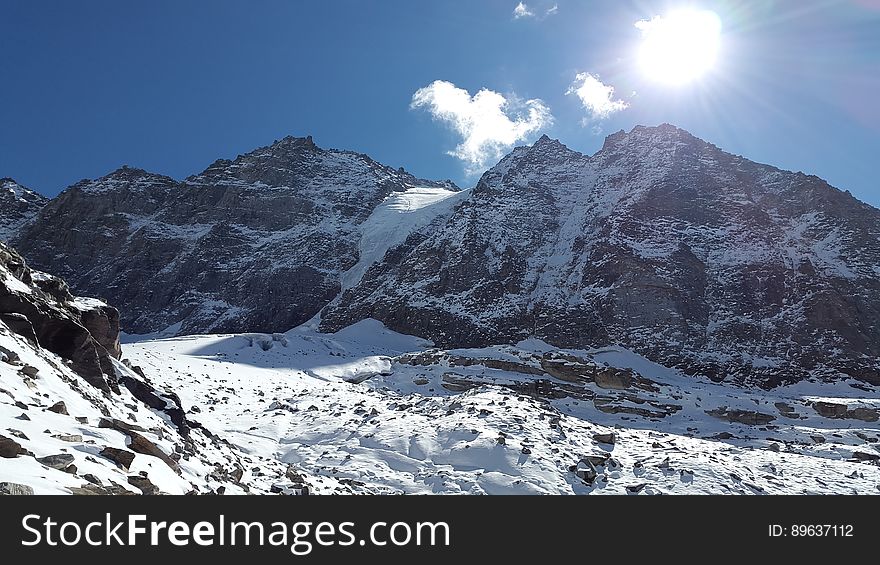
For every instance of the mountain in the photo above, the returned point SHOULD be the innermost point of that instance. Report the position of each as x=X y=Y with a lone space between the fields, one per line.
x=256 y=243
x=660 y=242
x=18 y=205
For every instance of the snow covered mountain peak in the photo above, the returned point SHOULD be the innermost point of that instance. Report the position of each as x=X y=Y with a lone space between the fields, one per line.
x=661 y=242
x=18 y=206
x=259 y=242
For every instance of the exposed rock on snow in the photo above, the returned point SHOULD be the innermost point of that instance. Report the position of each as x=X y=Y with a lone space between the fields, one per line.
x=75 y=430
x=491 y=420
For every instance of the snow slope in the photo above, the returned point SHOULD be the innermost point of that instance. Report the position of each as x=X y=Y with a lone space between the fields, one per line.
x=394 y=219
x=436 y=421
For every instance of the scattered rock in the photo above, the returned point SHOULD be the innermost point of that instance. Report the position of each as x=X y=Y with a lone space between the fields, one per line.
x=597 y=460
x=10 y=449
x=864 y=414
x=586 y=471
x=70 y=438
x=613 y=379
x=144 y=484
x=15 y=489
x=290 y=490
x=29 y=371
x=122 y=457
x=58 y=408
x=635 y=489
x=8 y=356
x=17 y=433
x=785 y=409
x=837 y=411
x=747 y=417
x=59 y=461
x=609 y=438
x=140 y=444
x=818 y=439
x=420 y=381
x=119 y=425
x=862 y=456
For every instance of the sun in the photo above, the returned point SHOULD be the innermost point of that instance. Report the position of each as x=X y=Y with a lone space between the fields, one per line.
x=679 y=47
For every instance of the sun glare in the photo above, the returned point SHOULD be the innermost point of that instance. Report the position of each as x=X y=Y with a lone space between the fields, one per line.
x=680 y=47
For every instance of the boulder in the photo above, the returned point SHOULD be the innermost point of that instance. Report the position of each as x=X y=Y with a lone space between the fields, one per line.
x=608 y=438
x=736 y=416
x=140 y=444
x=144 y=484
x=122 y=457
x=58 y=408
x=9 y=448
x=59 y=461
x=15 y=489
x=613 y=379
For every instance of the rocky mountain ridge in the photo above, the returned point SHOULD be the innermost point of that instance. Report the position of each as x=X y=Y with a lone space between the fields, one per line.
x=258 y=242
x=660 y=242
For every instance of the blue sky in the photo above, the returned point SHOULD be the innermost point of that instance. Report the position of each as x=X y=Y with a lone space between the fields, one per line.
x=171 y=86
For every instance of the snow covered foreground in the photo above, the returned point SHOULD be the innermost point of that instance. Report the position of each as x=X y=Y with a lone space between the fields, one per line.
x=355 y=415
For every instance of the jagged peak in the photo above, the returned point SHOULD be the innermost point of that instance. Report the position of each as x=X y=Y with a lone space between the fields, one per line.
x=545 y=142
x=129 y=173
x=125 y=176
x=292 y=142
x=652 y=134
x=10 y=185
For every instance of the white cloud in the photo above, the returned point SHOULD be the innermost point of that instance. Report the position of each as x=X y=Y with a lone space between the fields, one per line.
x=522 y=11
x=552 y=10
x=487 y=122
x=597 y=97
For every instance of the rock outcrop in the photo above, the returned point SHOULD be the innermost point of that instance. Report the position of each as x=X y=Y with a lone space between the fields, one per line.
x=40 y=308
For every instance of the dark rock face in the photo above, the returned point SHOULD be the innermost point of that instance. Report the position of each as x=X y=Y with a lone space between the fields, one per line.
x=9 y=448
x=18 y=206
x=661 y=242
x=38 y=306
x=258 y=243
